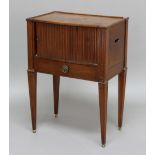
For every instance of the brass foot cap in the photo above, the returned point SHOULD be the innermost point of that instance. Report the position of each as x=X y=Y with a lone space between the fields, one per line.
x=103 y=145
x=55 y=115
x=34 y=131
x=119 y=128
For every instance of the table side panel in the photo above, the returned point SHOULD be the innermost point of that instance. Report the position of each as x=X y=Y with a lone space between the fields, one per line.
x=75 y=19
x=116 y=52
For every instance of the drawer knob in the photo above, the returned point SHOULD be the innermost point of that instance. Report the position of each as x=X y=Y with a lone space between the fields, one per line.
x=65 y=69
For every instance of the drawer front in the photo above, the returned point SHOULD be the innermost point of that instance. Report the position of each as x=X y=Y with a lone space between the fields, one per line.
x=68 y=43
x=87 y=72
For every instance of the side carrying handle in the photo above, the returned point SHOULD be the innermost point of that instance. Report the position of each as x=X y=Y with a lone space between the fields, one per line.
x=117 y=40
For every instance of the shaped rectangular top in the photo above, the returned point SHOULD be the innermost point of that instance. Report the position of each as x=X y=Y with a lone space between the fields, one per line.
x=76 y=19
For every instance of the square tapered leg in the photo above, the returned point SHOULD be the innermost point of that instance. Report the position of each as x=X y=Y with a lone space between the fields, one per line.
x=121 y=96
x=103 y=93
x=32 y=80
x=56 y=82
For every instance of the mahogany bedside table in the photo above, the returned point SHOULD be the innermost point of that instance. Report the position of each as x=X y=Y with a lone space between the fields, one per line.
x=89 y=47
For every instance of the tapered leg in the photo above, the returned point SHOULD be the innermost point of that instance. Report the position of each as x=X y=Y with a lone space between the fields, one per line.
x=32 y=80
x=103 y=93
x=121 y=96
x=56 y=82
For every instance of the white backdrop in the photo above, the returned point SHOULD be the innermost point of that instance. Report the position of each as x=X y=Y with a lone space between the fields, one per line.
x=78 y=98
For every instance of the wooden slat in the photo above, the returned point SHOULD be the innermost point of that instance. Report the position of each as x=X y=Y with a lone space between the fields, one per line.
x=77 y=44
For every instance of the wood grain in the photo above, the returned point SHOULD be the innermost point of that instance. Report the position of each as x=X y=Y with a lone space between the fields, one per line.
x=116 y=44
x=76 y=44
x=75 y=19
x=103 y=94
x=102 y=50
x=32 y=80
x=126 y=42
x=86 y=72
x=56 y=82
x=31 y=43
x=121 y=96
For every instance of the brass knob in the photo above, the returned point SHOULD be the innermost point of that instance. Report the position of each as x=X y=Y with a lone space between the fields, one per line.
x=65 y=69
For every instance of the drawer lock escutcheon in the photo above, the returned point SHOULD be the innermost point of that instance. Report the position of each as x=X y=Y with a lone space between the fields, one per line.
x=65 y=69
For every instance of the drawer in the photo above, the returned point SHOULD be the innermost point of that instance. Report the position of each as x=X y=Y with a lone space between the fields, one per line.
x=86 y=72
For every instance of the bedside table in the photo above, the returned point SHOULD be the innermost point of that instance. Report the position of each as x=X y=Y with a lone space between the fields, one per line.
x=82 y=46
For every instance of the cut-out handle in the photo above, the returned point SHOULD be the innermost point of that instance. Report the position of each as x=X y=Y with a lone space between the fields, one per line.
x=117 y=40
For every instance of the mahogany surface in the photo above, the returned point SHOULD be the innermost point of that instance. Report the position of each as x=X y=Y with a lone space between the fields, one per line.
x=82 y=46
x=76 y=19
